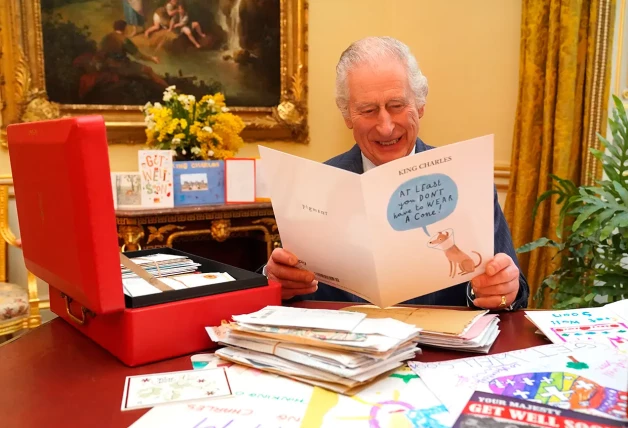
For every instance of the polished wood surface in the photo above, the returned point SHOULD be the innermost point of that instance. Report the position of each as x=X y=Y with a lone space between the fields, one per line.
x=55 y=376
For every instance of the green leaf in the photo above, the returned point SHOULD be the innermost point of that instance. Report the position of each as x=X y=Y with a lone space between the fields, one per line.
x=620 y=111
x=568 y=304
x=606 y=214
x=586 y=213
x=592 y=227
x=611 y=172
x=541 y=242
x=566 y=185
x=541 y=198
x=622 y=192
x=589 y=297
x=612 y=150
x=620 y=220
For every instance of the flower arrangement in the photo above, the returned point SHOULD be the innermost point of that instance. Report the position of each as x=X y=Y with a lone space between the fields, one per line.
x=193 y=130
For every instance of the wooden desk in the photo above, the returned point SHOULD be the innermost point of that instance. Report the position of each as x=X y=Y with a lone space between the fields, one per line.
x=55 y=376
x=241 y=235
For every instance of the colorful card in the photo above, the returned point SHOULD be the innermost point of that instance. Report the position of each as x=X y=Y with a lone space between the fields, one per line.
x=199 y=182
x=259 y=400
x=127 y=190
x=490 y=410
x=149 y=390
x=422 y=222
x=155 y=167
x=585 y=377
x=602 y=325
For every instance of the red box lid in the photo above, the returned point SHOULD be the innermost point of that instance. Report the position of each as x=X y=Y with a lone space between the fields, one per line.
x=64 y=201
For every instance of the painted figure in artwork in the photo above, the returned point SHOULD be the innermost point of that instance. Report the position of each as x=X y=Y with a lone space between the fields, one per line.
x=134 y=15
x=116 y=50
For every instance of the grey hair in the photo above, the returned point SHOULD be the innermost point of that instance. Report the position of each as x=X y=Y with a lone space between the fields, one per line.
x=372 y=50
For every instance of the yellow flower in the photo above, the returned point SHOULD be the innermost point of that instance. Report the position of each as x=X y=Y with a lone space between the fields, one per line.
x=219 y=99
x=195 y=128
x=212 y=133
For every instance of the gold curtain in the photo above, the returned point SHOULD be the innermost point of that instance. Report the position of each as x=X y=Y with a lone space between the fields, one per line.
x=564 y=76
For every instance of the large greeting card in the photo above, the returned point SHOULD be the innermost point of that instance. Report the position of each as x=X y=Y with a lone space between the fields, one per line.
x=155 y=167
x=402 y=230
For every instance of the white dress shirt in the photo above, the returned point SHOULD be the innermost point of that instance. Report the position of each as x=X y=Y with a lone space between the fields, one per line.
x=367 y=164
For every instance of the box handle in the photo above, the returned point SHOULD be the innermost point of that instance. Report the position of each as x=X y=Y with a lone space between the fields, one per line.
x=84 y=311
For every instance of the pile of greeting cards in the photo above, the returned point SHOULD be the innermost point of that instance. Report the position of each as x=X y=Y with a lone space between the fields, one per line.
x=338 y=350
x=459 y=330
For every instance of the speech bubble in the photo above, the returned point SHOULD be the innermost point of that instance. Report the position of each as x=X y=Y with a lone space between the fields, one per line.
x=422 y=201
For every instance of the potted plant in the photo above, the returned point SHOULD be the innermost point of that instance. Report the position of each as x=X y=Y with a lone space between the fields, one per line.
x=592 y=231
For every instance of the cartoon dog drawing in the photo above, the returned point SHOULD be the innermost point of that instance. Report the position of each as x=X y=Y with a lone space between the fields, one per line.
x=454 y=254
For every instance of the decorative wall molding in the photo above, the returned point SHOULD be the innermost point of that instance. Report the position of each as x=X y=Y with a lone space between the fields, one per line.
x=501 y=174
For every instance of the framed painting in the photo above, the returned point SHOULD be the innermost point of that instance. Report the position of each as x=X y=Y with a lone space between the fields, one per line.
x=111 y=57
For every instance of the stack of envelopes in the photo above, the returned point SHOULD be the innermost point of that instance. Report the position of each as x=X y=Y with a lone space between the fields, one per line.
x=174 y=271
x=463 y=330
x=161 y=265
x=337 y=350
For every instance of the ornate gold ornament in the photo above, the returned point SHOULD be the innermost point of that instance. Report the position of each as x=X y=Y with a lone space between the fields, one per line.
x=220 y=230
x=159 y=234
x=23 y=93
x=269 y=222
x=290 y=113
x=31 y=103
x=131 y=235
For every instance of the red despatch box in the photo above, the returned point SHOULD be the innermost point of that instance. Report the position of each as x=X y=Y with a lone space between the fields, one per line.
x=67 y=222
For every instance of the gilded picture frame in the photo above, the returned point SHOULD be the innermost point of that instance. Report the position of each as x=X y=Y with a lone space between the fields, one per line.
x=620 y=55
x=23 y=94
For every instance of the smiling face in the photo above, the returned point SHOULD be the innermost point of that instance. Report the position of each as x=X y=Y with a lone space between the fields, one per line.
x=383 y=113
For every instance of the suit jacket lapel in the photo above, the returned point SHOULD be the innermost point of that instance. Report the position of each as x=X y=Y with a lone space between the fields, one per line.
x=420 y=146
x=353 y=160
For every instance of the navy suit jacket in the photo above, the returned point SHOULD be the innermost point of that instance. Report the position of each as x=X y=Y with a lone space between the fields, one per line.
x=457 y=295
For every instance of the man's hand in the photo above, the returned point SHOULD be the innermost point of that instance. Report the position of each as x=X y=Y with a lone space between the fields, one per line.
x=154 y=59
x=500 y=279
x=294 y=281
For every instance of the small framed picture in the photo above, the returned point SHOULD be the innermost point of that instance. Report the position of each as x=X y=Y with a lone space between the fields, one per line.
x=239 y=180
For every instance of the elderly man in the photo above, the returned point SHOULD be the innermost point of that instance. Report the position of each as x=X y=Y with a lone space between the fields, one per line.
x=381 y=93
